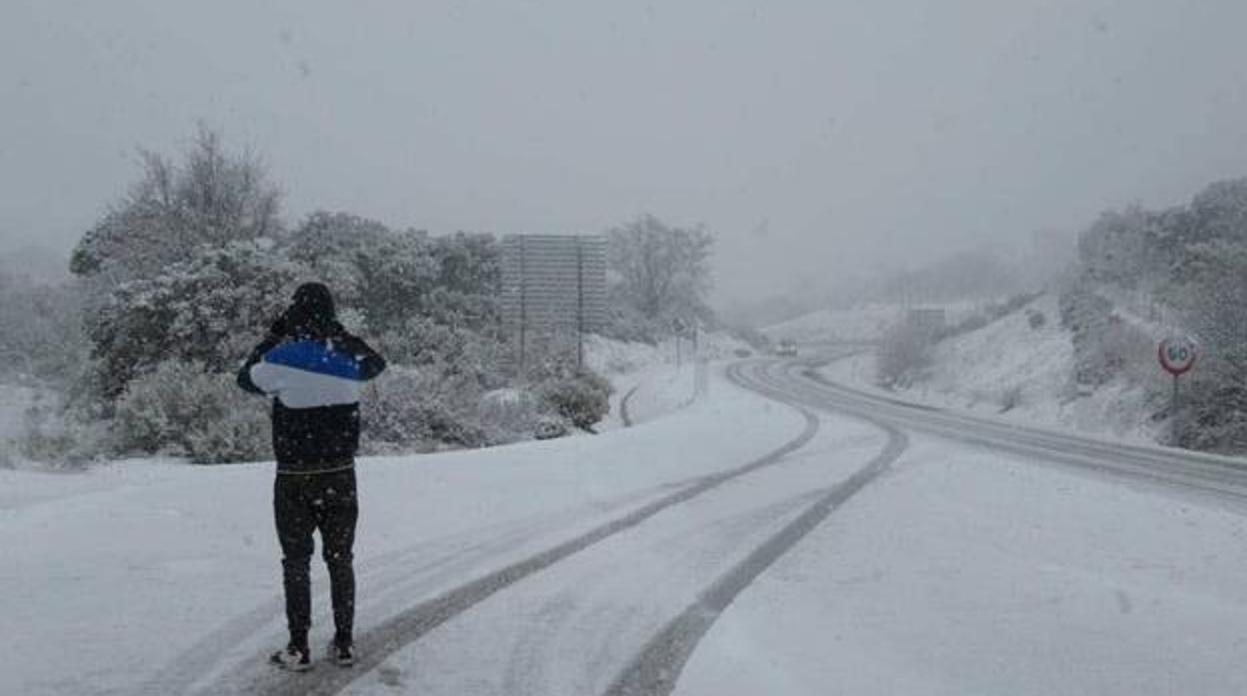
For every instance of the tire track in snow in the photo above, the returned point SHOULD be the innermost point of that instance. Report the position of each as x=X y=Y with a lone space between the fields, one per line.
x=435 y=561
x=196 y=663
x=543 y=646
x=377 y=644
x=656 y=668
x=623 y=407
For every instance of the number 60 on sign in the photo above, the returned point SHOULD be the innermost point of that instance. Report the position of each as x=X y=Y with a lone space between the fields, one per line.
x=1177 y=355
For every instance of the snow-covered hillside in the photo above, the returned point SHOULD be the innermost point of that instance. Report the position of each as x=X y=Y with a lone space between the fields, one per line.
x=863 y=323
x=1015 y=371
x=866 y=323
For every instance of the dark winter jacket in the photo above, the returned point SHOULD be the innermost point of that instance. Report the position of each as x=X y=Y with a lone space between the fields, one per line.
x=314 y=370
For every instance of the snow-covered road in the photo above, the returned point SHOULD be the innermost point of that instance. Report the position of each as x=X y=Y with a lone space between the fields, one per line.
x=778 y=535
x=997 y=559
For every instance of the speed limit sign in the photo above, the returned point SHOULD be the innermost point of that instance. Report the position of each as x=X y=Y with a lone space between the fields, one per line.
x=1177 y=355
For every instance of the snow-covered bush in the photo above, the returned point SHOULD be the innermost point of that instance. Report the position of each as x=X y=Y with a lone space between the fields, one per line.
x=184 y=410
x=1105 y=345
x=510 y=414
x=209 y=309
x=446 y=353
x=582 y=398
x=421 y=408
x=239 y=434
x=59 y=435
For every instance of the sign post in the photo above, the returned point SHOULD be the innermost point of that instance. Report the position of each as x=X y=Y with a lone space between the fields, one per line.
x=680 y=327
x=1177 y=356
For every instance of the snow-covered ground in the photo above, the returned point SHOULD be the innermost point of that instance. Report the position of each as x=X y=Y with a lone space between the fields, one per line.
x=965 y=572
x=1011 y=371
x=961 y=570
x=653 y=380
x=136 y=566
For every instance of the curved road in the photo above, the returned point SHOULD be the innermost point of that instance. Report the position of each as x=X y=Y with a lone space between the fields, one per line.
x=621 y=608
x=1222 y=476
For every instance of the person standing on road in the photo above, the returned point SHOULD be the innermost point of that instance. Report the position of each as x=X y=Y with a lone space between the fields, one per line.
x=313 y=370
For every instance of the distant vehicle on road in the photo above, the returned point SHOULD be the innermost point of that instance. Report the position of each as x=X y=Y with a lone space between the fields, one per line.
x=742 y=352
x=786 y=348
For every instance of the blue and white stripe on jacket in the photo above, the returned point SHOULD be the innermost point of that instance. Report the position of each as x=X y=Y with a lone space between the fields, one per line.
x=309 y=373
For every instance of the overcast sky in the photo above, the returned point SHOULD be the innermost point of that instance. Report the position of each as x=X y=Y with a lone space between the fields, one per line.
x=814 y=139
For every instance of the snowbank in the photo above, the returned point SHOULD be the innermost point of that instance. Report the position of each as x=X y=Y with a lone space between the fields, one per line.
x=653 y=380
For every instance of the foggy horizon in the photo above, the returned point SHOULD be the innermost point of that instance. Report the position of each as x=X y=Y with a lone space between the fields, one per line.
x=815 y=142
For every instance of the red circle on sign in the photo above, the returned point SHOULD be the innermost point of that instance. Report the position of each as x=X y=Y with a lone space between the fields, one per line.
x=1177 y=355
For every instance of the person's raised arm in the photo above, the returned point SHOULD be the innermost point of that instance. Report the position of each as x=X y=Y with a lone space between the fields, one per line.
x=370 y=361
x=276 y=333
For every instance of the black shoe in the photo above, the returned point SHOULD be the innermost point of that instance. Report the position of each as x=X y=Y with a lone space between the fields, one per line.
x=342 y=653
x=293 y=659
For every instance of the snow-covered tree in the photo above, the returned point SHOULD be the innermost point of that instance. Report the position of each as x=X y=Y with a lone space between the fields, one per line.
x=207 y=309
x=211 y=196
x=1219 y=212
x=1125 y=247
x=661 y=270
x=331 y=244
x=1213 y=302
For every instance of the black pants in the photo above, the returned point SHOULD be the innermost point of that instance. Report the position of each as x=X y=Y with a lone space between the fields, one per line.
x=303 y=503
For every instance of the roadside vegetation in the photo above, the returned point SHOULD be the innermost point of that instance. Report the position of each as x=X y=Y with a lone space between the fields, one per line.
x=135 y=353
x=1138 y=276
x=1182 y=270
